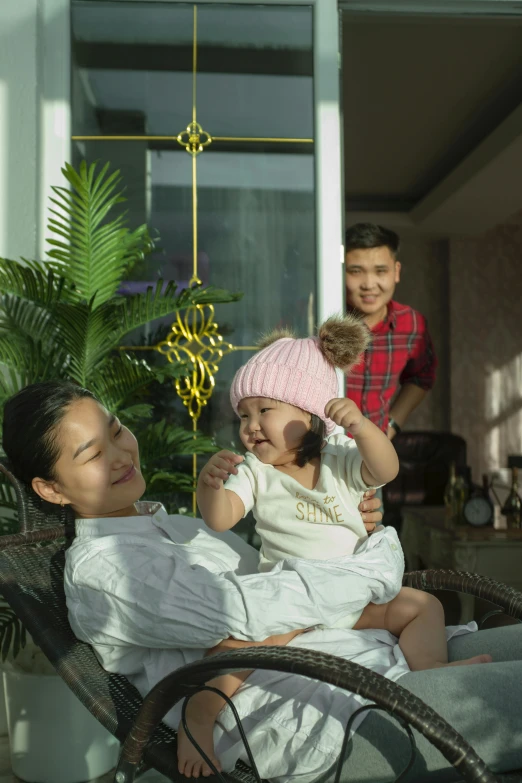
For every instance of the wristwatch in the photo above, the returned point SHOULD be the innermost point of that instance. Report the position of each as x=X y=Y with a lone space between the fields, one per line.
x=393 y=424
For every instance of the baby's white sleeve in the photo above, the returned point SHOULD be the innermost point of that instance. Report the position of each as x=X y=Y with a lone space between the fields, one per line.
x=244 y=485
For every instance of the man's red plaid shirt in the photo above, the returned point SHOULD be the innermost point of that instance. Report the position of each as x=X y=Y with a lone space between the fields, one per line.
x=401 y=352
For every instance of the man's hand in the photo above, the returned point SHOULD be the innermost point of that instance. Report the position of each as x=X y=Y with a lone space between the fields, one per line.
x=370 y=508
x=391 y=432
x=219 y=467
x=346 y=414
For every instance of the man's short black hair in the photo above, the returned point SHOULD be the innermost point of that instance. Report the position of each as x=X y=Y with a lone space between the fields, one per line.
x=363 y=236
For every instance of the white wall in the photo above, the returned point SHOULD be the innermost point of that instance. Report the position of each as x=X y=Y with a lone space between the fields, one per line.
x=18 y=126
x=34 y=110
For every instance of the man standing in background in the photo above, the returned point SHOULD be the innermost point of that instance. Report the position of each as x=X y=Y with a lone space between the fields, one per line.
x=400 y=357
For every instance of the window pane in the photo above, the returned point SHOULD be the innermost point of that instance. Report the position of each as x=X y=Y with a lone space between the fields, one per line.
x=254 y=68
x=256 y=205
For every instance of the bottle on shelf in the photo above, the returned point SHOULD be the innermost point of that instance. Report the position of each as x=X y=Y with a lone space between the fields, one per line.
x=485 y=488
x=450 y=495
x=462 y=485
x=512 y=508
x=487 y=497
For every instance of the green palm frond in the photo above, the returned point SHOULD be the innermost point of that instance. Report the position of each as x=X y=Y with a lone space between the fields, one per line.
x=156 y=303
x=213 y=295
x=135 y=413
x=88 y=336
x=12 y=633
x=172 y=371
x=119 y=379
x=93 y=253
x=65 y=319
x=165 y=481
x=155 y=334
x=7 y=501
x=160 y=440
x=33 y=283
x=19 y=316
x=25 y=361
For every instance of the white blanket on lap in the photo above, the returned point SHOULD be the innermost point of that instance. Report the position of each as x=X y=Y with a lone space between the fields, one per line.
x=295 y=726
x=153 y=592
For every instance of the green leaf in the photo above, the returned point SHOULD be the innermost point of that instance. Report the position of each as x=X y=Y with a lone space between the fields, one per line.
x=118 y=379
x=18 y=315
x=8 y=524
x=25 y=361
x=213 y=295
x=136 y=412
x=95 y=252
x=12 y=632
x=160 y=439
x=170 y=481
x=7 y=637
x=171 y=371
x=87 y=335
x=140 y=309
x=35 y=283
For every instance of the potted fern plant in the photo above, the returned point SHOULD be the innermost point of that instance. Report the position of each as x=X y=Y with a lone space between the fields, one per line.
x=64 y=317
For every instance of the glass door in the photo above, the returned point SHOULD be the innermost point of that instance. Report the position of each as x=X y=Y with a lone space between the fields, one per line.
x=224 y=121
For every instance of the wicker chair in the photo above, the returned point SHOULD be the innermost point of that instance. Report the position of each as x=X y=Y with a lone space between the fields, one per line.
x=31 y=581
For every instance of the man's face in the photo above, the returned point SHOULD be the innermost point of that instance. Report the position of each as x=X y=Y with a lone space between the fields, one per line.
x=371 y=277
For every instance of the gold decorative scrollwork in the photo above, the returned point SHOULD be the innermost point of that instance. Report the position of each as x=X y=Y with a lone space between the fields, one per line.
x=195 y=337
x=194 y=138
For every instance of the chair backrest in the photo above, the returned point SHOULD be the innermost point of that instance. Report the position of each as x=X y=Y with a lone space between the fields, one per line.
x=32 y=512
x=425 y=459
x=31 y=581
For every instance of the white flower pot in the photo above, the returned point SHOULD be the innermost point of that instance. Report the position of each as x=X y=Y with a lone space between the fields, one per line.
x=53 y=737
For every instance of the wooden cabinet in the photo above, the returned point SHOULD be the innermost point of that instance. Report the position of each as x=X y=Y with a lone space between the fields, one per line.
x=427 y=543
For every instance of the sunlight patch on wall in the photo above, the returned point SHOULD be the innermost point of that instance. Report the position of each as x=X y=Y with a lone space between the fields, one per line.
x=3 y=166
x=503 y=402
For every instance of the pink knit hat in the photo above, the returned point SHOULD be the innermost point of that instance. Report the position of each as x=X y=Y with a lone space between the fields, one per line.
x=297 y=371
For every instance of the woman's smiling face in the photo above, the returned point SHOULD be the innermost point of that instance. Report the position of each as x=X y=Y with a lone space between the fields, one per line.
x=98 y=467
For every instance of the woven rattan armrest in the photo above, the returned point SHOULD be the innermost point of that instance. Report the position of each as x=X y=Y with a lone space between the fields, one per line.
x=397 y=700
x=507 y=598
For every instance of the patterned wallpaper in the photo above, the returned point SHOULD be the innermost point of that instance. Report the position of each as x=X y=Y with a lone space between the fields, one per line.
x=470 y=290
x=485 y=274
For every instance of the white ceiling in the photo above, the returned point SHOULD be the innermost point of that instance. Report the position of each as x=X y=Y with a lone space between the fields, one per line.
x=433 y=121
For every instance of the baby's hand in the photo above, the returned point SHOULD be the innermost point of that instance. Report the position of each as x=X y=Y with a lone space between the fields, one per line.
x=346 y=414
x=219 y=467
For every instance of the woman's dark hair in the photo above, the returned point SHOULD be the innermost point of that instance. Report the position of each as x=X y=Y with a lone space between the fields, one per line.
x=312 y=441
x=31 y=419
x=364 y=236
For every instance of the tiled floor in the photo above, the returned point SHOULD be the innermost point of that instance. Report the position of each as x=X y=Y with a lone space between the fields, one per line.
x=6 y=774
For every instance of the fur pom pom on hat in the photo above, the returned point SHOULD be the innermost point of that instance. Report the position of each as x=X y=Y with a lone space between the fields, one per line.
x=301 y=372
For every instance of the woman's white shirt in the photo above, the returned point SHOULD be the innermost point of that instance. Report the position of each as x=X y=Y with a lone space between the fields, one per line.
x=153 y=592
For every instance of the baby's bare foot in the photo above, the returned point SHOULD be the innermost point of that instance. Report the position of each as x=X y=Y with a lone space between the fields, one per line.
x=190 y=763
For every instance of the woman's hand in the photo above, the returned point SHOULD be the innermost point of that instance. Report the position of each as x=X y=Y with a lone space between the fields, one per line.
x=371 y=511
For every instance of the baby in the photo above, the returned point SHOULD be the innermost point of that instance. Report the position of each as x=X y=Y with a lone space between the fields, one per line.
x=304 y=488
